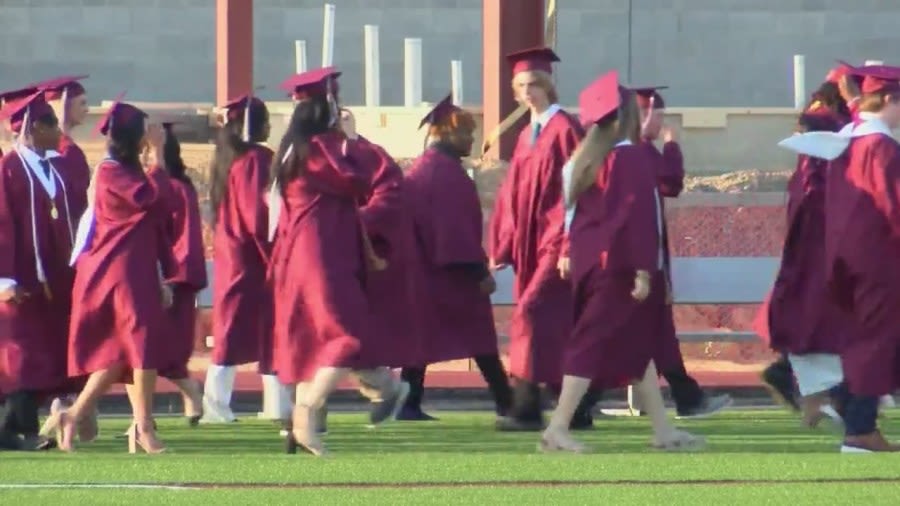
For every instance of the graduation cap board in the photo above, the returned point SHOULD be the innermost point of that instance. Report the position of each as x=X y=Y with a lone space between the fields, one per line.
x=242 y=105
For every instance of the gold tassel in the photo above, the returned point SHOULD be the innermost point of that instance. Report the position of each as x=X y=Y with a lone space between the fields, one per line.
x=47 y=292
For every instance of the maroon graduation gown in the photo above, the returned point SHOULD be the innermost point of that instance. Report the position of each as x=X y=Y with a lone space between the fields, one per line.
x=322 y=315
x=241 y=298
x=458 y=319
x=799 y=316
x=76 y=174
x=526 y=232
x=392 y=292
x=185 y=231
x=117 y=311
x=33 y=333
x=613 y=235
x=862 y=247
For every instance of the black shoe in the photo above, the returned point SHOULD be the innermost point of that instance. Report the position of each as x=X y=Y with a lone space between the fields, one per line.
x=513 y=424
x=779 y=381
x=10 y=441
x=582 y=421
x=710 y=405
x=409 y=414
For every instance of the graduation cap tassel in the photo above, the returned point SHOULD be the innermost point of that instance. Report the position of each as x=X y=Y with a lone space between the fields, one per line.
x=23 y=134
x=332 y=103
x=65 y=107
x=245 y=133
x=649 y=114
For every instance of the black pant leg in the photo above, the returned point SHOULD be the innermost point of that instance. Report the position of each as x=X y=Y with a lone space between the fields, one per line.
x=495 y=376
x=415 y=376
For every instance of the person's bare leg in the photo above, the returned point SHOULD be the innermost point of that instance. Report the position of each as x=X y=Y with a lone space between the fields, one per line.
x=309 y=400
x=665 y=435
x=191 y=397
x=142 y=406
x=556 y=436
x=65 y=422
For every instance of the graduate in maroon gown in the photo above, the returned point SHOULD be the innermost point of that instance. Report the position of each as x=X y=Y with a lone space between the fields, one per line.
x=456 y=306
x=862 y=226
x=189 y=277
x=36 y=236
x=525 y=234
x=118 y=326
x=320 y=264
x=241 y=299
x=615 y=247
x=690 y=400
x=828 y=110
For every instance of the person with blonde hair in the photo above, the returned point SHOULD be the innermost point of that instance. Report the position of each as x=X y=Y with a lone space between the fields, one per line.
x=525 y=234
x=614 y=248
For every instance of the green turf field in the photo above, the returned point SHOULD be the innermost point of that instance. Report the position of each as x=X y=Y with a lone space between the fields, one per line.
x=754 y=457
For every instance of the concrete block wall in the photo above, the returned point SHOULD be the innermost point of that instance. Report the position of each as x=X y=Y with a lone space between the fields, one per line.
x=713 y=53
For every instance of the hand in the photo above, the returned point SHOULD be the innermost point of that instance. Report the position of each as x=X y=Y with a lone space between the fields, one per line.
x=488 y=285
x=848 y=88
x=669 y=134
x=563 y=266
x=348 y=124
x=494 y=266
x=641 y=286
x=13 y=295
x=376 y=263
x=167 y=295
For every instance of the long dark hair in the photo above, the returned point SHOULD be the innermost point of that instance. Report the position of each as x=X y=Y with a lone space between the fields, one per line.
x=123 y=142
x=230 y=145
x=829 y=95
x=172 y=156
x=311 y=117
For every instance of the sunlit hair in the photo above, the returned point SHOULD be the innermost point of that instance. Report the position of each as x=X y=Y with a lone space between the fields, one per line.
x=600 y=139
x=543 y=79
x=875 y=102
x=457 y=121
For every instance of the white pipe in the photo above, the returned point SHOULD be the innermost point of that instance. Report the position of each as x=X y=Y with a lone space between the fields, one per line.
x=799 y=81
x=300 y=56
x=412 y=72
x=328 y=36
x=873 y=62
x=456 y=81
x=373 y=70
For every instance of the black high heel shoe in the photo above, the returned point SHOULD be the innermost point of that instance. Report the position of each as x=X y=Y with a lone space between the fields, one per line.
x=193 y=421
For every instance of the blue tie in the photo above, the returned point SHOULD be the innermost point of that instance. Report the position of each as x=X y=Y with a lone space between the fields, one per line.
x=535 y=131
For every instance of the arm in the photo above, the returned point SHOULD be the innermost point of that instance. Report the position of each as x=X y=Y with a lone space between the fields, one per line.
x=333 y=163
x=670 y=178
x=884 y=182
x=501 y=228
x=381 y=211
x=7 y=236
x=132 y=191
x=248 y=185
x=168 y=202
x=554 y=203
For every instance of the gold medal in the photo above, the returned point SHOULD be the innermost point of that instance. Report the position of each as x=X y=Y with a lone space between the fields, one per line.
x=53 y=213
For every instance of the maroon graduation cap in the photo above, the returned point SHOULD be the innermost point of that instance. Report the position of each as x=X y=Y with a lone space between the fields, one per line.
x=600 y=98
x=649 y=96
x=22 y=110
x=241 y=106
x=536 y=58
x=312 y=83
x=439 y=112
x=877 y=78
x=118 y=112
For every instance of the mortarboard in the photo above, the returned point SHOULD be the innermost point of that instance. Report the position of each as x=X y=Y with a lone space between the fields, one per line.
x=877 y=78
x=439 y=112
x=22 y=110
x=834 y=75
x=649 y=96
x=118 y=112
x=311 y=83
x=600 y=98
x=538 y=58
x=241 y=106
x=62 y=88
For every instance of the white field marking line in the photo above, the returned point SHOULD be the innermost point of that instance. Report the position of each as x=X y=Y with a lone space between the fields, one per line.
x=94 y=486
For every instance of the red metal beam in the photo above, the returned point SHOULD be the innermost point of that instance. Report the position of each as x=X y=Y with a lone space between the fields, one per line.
x=508 y=26
x=234 y=49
